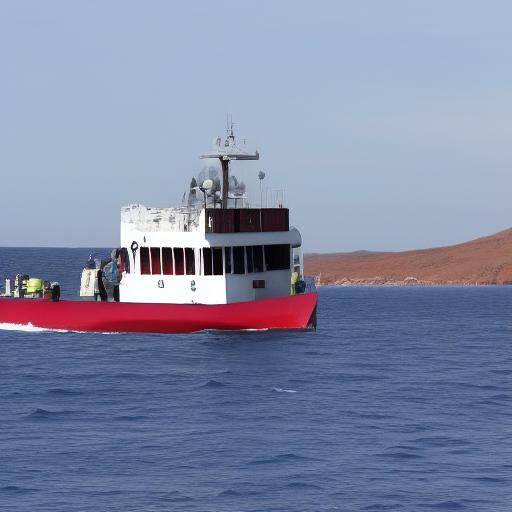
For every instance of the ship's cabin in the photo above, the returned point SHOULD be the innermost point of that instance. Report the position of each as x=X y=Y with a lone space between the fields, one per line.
x=220 y=259
x=214 y=249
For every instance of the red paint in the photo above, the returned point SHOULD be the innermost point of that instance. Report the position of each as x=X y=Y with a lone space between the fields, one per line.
x=293 y=312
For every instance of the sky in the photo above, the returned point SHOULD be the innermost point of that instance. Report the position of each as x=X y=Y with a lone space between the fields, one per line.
x=389 y=124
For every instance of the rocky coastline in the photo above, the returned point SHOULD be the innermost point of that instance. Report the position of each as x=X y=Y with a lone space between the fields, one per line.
x=485 y=261
x=409 y=281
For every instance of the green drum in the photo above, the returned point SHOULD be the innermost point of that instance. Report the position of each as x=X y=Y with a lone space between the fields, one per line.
x=34 y=285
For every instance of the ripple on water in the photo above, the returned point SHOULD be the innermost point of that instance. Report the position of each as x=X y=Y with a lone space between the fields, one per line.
x=375 y=416
x=381 y=507
x=490 y=480
x=175 y=497
x=229 y=493
x=127 y=417
x=280 y=459
x=442 y=442
x=16 y=489
x=212 y=384
x=298 y=485
x=45 y=414
x=447 y=505
x=64 y=392
x=399 y=456
x=502 y=371
x=358 y=377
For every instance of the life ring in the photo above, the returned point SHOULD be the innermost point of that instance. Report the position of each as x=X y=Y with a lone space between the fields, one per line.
x=134 y=247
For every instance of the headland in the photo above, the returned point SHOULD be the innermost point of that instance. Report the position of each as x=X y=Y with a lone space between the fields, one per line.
x=483 y=261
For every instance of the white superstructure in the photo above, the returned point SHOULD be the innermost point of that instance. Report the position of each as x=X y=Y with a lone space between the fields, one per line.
x=215 y=250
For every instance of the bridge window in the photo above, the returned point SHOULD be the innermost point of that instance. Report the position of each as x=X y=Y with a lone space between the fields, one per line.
x=179 y=263
x=227 y=259
x=144 y=261
x=238 y=260
x=207 y=261
x=250 y=264
x=190 y=261
x=257 y=256
x=254 y=258
x=156 y=266
x=277 y=257
x=212 y=261
x=167 y=265
x=217 y=261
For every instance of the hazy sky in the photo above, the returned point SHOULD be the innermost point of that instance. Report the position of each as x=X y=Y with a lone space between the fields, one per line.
x=389 y=123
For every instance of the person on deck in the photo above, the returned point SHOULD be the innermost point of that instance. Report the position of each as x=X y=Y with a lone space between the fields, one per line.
x=110 y=278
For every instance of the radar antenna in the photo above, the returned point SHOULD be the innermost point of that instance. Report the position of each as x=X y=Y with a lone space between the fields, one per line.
x=227 y=152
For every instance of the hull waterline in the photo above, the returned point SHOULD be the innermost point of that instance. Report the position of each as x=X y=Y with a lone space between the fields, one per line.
x=293 y=312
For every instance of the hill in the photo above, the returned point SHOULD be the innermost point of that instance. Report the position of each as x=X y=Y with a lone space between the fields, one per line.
x=483 y=261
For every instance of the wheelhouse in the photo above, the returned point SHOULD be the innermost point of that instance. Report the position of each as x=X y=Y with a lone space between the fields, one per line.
x=217 y=249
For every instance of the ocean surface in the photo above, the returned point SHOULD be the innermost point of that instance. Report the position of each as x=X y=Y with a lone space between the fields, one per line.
x=400 y=401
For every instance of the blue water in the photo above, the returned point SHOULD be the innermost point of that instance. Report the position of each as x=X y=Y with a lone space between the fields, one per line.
x=401 y=401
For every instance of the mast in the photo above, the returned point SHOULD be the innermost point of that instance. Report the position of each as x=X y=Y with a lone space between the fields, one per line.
x=225 y=153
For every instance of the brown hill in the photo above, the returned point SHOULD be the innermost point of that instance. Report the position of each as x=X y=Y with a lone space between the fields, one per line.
x=486 y=260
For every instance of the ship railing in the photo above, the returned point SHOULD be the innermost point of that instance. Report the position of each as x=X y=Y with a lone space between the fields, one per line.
x=179 y=219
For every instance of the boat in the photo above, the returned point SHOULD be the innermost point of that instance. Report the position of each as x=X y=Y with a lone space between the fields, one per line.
x=216 y=262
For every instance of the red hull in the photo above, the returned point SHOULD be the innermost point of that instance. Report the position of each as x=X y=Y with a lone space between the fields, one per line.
x=294 y=312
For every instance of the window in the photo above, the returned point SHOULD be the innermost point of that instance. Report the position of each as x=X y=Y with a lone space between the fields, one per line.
x=179 y=264
x=156 y=267
x=250 y=263
x=167 y=265
x=257 y=258
x=254 y=258
x=217 y=261
x=238 y=260
x=124 y=260
x=144 y=261
x=227 y=259
x=207 y=261
x=190 y=261
x=277 y=257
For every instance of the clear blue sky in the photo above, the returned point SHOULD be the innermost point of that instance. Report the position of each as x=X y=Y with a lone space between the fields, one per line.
x=389 y=123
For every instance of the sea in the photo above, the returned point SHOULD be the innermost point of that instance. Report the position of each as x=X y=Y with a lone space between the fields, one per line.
x=400 y=401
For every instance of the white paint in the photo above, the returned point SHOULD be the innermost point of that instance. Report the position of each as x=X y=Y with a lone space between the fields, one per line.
x=176 y=289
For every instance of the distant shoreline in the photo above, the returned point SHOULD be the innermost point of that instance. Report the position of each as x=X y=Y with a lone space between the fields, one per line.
x=485 y=261
x=418 y=285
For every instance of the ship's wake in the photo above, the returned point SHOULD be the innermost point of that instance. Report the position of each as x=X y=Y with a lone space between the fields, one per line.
x=4 y=326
